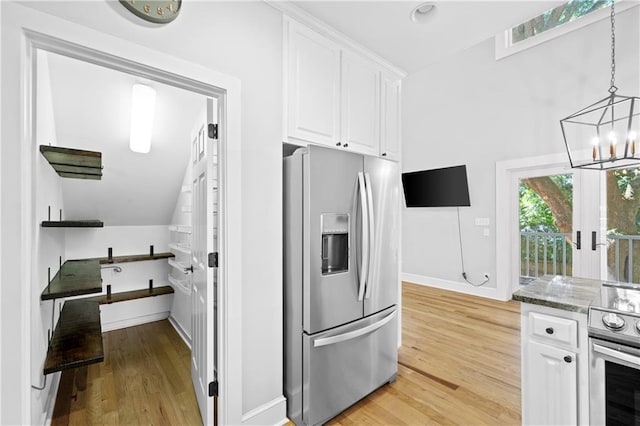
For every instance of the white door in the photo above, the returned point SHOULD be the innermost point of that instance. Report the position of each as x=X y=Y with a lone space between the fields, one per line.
x=204 y=241
x=360 y=105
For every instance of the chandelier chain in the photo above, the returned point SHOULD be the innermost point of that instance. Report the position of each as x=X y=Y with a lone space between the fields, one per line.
x=613 y=87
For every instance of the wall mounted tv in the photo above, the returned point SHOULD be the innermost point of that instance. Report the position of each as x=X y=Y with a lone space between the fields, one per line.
x=446 y=187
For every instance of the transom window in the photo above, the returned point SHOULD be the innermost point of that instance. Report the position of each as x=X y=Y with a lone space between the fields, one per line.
x=555 y=22
x=552 y=18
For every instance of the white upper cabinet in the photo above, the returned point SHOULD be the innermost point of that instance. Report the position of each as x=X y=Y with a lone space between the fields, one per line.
x=337 y=96
x=313 y=84
x=360 y=130
x=390 y=132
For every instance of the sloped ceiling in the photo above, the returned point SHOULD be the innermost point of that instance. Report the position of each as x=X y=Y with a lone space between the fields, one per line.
x=92 y=112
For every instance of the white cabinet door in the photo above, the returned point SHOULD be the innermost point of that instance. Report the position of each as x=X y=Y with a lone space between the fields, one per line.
x=313 y=84
x=360 y=129
x=390 y=138
x=551 y=396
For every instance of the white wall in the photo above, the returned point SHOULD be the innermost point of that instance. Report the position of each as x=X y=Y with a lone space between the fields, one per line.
x=474 y=110
x=242 y=39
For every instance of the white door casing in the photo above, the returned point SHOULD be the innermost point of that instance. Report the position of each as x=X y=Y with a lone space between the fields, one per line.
x=41 y=31
x=204 y=226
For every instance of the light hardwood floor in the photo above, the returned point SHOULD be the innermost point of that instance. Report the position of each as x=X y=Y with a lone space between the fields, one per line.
x=145 y=379
x=459 y=364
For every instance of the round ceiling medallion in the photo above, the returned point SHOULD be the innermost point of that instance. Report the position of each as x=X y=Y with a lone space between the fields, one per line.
x=158 y=12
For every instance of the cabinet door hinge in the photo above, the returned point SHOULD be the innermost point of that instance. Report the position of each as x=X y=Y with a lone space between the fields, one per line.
x=213 y=388
x=213 y=131
x=213 y=260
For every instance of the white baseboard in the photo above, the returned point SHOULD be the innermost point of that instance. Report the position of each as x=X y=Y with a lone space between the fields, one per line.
x=273 y=412
x=180 y=331
x=131 y=322
x=488 y=292
x=130 y=313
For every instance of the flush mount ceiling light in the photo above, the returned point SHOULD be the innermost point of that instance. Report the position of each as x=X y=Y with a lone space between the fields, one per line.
x=421 y=12
x=604 y=135
x=143 y=103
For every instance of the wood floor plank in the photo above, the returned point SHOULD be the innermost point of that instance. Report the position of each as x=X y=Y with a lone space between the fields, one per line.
x=459 y=364
x=145 y=379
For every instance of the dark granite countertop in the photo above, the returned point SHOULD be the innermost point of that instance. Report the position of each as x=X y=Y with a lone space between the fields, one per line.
x=566 y=293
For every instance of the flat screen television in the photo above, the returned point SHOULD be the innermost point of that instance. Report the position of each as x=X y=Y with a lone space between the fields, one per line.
x=446 y=187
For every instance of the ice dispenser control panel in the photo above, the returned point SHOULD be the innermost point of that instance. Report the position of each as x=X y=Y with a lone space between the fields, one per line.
x=335 y=243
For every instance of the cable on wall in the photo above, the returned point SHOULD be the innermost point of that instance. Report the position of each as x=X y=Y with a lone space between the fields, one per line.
x=464 y=274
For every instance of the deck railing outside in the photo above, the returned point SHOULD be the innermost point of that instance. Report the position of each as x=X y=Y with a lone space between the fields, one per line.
x=544 y=253
x=622 y=267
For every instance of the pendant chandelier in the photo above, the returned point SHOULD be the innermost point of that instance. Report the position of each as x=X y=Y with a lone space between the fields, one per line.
x=604 y=135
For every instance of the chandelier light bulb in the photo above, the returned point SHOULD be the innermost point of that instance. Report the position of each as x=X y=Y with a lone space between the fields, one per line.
x=632 y=142
x=612 y=144
x=594 y=152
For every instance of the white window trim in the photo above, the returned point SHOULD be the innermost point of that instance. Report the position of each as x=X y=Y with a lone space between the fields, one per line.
x=504 y=47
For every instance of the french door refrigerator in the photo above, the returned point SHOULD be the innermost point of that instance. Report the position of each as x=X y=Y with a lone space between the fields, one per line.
x=341 y=282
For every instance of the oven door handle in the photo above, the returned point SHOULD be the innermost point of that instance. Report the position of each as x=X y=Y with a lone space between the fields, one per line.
x=613 y=353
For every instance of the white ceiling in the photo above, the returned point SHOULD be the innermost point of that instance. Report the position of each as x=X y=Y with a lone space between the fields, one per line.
x=385 y=27
x=91 y=104
x=92 y=111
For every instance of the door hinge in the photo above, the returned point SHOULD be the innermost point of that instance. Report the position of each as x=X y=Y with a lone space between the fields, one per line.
x=213 y=260
x=213 y=131
x=213 y=388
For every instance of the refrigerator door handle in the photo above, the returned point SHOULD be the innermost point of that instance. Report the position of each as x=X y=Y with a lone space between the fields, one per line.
x=372 y=228
x=364 y=267
x=355 y=333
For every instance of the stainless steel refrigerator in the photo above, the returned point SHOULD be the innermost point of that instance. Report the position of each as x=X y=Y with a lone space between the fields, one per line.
x=341 y=282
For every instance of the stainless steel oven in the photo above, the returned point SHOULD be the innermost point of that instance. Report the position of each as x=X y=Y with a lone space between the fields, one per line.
x=614 y=356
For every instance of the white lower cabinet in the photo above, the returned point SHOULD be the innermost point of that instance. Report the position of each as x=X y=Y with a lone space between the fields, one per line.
x=552 y=385
x=555 y=376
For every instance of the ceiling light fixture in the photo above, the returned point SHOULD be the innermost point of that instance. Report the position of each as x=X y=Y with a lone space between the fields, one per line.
x=420 y=13
x=143 y=102
x=603 y=135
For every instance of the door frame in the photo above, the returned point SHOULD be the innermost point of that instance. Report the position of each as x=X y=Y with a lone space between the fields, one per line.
x=58 y=36
x=507 y=242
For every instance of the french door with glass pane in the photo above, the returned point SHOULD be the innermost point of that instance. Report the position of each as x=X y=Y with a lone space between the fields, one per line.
x=559 y=223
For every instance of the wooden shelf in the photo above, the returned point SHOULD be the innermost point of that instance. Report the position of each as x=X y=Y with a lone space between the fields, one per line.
x=77 y=340
x=75 y=277
x=135 y=258
x=74 y=163
x=72 y=224
x=131 y=295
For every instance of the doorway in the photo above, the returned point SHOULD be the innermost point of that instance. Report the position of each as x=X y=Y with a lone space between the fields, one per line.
x=118 y=202
x=555 y=220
